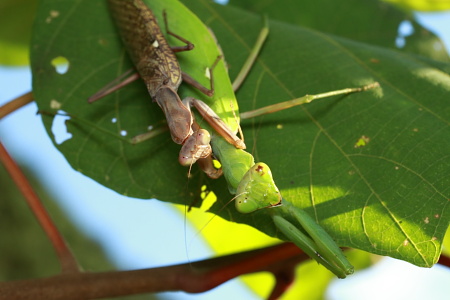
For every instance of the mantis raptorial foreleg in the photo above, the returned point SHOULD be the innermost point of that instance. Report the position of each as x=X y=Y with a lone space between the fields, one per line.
x=198 y=149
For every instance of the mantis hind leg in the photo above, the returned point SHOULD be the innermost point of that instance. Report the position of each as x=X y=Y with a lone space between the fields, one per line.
x=316 y=243
x=191 y=81
x=252 y=56
x=305 y=243
x=189 y=46
x=115 y=85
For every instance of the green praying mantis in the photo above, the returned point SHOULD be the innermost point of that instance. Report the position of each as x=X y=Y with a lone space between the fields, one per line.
x=255 y=189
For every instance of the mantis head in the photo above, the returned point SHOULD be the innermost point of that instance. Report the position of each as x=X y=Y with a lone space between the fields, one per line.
x=257 y=190
x=196 y=146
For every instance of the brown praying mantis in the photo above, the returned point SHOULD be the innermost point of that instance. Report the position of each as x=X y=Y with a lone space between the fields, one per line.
x=158 y=67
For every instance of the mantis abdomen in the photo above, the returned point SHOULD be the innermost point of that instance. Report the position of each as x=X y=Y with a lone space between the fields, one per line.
x=146 y=45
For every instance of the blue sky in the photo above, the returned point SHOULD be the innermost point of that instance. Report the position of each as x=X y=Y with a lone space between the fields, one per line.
x=129 y=229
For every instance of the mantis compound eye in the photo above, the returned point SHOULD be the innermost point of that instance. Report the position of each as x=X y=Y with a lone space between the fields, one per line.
x=202 y=137
x=245 y=204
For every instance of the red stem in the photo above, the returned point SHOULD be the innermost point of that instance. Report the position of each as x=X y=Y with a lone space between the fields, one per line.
x=67 y=260
x=16 y=104
x=266 y=257
x=444 y=260
x=193 y=277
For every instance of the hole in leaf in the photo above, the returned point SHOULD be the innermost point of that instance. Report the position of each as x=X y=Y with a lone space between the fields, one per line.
x=59 y=128
x=61 y=64
x=405 y=29
x=400 y=42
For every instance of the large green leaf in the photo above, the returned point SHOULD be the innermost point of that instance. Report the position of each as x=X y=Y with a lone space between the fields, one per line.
x=388 y=197
x=369 y=21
